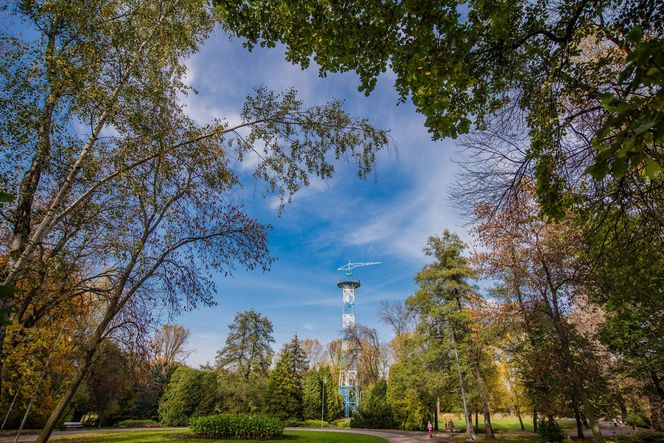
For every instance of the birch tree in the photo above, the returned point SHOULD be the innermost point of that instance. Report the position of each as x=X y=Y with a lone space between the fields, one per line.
x=95 y=100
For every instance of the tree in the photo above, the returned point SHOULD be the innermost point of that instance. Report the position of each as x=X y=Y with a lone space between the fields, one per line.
x=284 y=386
x=238 y=393
x=108 y=381
x=312 y=396
x=540 y=262
x=409 y=394
x=296 y=357
x=371 y=354
x=248 y=345
x=190 y=393
x=170 y=344
x=314 y=351
x=555 y=63
x=120 y=66
x=334 y=405
x=626 y=280
x=396 y=315
x=374 y=411
x=442 y=300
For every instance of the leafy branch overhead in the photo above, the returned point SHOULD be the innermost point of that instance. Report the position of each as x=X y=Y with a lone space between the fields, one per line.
x=586 y=74
x=293 y=142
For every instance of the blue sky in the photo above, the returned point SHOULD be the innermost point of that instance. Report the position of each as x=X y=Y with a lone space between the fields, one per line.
x=386 y=217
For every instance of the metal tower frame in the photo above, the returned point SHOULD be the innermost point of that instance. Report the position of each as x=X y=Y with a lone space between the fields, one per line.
x=348 y=378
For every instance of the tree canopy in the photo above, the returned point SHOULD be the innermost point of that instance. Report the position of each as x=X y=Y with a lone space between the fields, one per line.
x=587 y=74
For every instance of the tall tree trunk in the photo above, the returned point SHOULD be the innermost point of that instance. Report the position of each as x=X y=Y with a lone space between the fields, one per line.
x=656 y=400
x=577 y=417
x=484 y=397
x=23 y=242
x=435 y=424
x=91 y=348
x=477 y=425
x=518 y=415
x=534 y=420
x=29 y=185
x=60 y=408
x=576 y=379
x=470 y=432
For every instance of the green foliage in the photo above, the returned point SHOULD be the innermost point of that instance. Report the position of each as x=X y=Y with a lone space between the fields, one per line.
x=334 y=406
x=635 y=120
x=238 y=393
x=343 y=423
x=409 y=392
x=190 y=393
x=247 y=348
x=550 y=431
x=284 y=388
x=242 y=426
x=312 y=423
x=638 y=420
x=312 y=394
x=646 y=437
x=565 y=65
x=374 y=411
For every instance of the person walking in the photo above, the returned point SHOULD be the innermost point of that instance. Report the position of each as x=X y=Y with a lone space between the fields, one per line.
x=430 y=428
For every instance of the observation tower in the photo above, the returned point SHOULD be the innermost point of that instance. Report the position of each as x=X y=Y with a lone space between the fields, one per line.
x=348 y=378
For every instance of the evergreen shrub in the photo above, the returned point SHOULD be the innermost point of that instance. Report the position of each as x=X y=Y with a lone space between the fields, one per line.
x=550 y=431
x=375 y=411
x=245 y=426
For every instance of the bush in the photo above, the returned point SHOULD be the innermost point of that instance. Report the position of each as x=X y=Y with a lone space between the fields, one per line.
x=638 y=420
x=190 y=393
x=137 y=424
x=550 y=431
x=375 y=412
x=237 y=426
x=647 y=437
x=343 y=423
x=315 y=424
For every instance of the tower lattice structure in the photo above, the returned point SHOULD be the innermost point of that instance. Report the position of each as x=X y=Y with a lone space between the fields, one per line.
x=349 y=387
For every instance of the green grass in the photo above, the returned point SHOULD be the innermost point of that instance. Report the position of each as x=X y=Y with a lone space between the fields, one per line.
x=179 y=436
x=502 y=424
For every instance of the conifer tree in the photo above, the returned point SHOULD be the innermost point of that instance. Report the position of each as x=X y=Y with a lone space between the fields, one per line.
x=333 y=401
x=248 y=345
x=312 y=396
x=284 y=387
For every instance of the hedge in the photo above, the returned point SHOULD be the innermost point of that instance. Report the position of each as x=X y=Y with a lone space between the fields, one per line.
x=236 y=426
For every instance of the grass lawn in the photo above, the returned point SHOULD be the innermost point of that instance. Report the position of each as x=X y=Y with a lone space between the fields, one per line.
x=501 y=424
x=178 y=436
